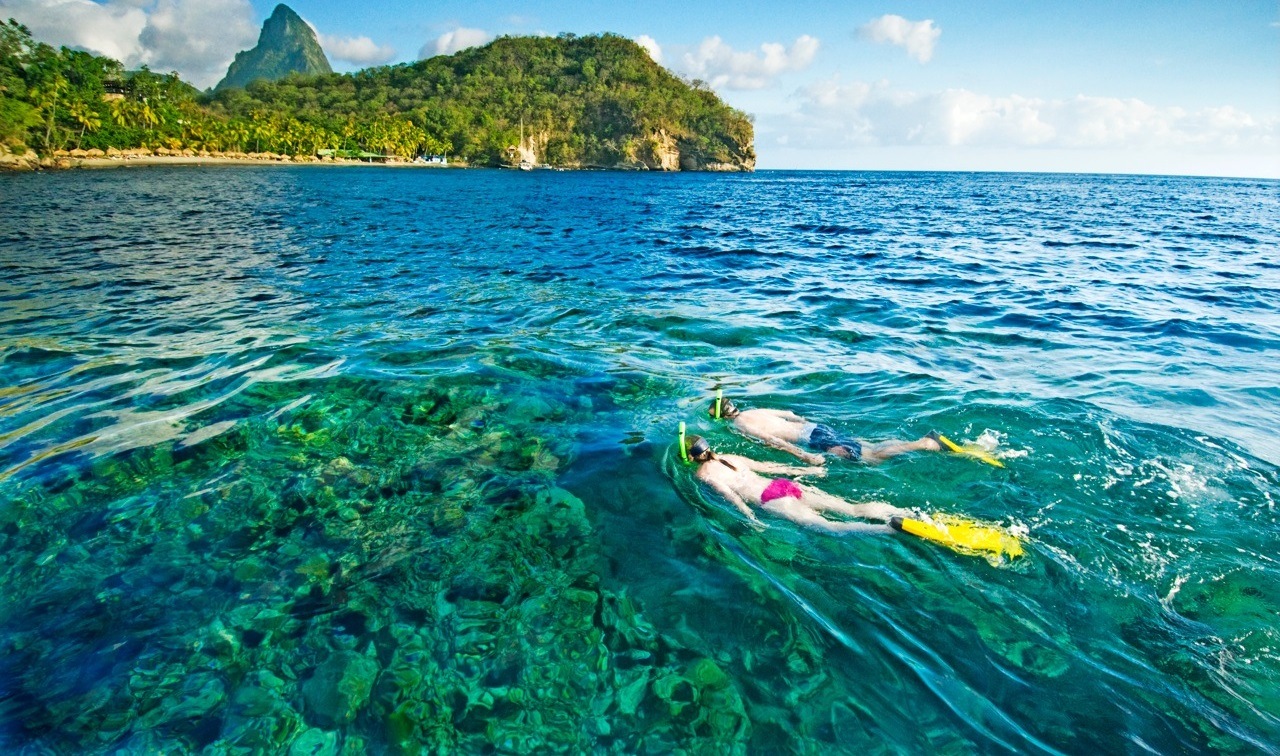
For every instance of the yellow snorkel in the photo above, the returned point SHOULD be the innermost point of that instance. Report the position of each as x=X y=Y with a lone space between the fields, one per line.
x=683 y=454
x=719 y=401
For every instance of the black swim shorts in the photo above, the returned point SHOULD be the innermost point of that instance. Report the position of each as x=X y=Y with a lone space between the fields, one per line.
x=823 y=438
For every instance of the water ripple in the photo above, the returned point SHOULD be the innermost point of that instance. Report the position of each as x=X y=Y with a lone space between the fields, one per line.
x=197 y=334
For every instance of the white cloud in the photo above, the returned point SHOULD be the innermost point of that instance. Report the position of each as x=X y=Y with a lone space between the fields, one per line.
x=360 y=51
x=916 y=37
x=452 y=41
x=109 y=29
x=721 y=66
x=196 y=38
x=651 y=46
x=834 y=114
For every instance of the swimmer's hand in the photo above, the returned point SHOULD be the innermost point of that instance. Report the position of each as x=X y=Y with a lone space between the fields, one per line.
x=815 y=459
x=817 y=472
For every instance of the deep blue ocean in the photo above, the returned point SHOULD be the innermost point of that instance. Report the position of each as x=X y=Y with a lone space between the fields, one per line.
x=321 y=460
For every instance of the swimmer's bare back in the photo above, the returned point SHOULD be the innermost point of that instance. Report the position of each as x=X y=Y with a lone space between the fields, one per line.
x=739 y=480
x=781 y=429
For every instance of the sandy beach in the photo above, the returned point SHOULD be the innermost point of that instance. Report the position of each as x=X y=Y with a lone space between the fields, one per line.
x=30 y=161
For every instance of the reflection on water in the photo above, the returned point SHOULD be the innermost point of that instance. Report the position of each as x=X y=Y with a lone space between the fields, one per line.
x=373 y=459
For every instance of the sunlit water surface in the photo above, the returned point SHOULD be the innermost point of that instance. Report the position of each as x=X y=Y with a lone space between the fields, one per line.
x=382 y=460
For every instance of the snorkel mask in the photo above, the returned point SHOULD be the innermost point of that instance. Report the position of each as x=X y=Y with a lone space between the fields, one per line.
x=721 y=408
x=700 y=447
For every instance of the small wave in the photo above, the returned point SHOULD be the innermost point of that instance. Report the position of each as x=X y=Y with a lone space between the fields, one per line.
x=1092 y=244
x=32 y=355
x=1241 y=238
x=1225 y=335
x=705 y=251
x=835 y=230
x=1025 y=320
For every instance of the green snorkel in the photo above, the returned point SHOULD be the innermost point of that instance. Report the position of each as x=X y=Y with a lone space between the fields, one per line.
x=719 y=401
x=683 y=454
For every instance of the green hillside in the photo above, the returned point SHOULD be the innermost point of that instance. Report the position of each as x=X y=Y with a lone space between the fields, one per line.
x=286 y=45
x=592 y=101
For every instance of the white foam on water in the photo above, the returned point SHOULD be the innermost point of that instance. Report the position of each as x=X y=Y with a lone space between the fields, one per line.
x=1167 y=601
x=1241 y=462
x=1183 y=480
x=989 y=439
x=1112 y=445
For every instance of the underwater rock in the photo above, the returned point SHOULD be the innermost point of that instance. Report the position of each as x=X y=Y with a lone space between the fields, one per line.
x=197 y=696
x=631 y=694
x=565 y=513
x=530 y=408
x=250 y=569
x=1026 y=646
x=338 y=467
x=255 y=701
x=339 y=688
x=315 y=742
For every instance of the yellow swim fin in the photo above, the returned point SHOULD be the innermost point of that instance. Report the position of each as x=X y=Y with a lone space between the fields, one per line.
x=962 y=535
x=969 y=450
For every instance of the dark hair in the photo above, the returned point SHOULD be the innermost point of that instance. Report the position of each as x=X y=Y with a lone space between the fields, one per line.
x=727 y=407
x=697 y=447
x=700 y=451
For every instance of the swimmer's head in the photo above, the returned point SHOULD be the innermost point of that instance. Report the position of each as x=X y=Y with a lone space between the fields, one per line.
x=697 y=448
x=728 y=410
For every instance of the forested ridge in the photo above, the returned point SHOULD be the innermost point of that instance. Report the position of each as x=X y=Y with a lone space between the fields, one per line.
x=586 y=101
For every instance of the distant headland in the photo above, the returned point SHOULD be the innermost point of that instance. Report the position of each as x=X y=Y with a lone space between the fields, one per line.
x=573 y=102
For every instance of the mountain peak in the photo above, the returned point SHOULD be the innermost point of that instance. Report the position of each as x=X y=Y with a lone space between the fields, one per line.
x=286 y=45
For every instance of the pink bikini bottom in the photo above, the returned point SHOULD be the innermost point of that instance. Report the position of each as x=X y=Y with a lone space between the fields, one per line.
x=780 y=488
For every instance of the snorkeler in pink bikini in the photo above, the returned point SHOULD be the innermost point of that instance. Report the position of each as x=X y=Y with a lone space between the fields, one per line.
x=785 y=430
x=738 y=479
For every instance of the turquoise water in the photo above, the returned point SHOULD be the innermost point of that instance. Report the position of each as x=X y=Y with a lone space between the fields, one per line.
x=381 y=460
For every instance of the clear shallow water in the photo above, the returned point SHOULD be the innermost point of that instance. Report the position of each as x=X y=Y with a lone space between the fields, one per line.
x=378 y=459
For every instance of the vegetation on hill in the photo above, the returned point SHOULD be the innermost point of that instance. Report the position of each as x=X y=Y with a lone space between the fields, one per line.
x=285 y=46
x=578 y=101
x=594 y=100
x=56 y=99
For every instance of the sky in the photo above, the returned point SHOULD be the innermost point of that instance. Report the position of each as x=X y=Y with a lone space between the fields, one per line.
x=1123 y=86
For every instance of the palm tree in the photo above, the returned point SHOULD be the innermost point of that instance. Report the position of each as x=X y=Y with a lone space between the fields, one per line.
x=120 y=112
x=147 y=116
x=88 y=119
x=46 y=98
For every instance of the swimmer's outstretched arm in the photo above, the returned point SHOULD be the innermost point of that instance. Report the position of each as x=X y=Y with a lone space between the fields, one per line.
x=735 y=499
x=784 y=414
x=780 y=469
x=792 y=449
